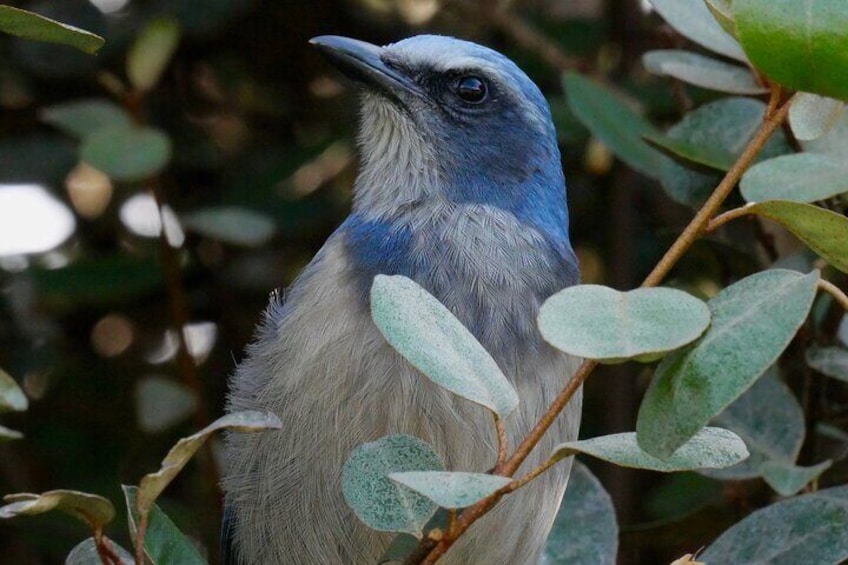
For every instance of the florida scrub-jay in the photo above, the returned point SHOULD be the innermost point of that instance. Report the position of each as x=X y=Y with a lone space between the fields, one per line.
x=461 y=189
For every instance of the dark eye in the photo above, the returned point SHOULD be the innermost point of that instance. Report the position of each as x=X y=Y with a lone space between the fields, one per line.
x=471 y=89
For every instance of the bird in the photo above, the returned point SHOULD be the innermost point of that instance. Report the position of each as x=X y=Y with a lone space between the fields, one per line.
x=460 y=188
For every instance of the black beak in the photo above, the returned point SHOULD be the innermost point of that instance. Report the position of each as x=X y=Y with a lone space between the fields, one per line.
x=363 y=63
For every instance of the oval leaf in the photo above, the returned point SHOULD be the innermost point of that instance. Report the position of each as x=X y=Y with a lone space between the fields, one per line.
x=801 y=44
x=830 y=361
x=162 y=403
x=597 y=322
x=380 y=503
x=85 y=553
x=692 y=19
x=231 y=224
x=811 y=115
x=7 y=434
x=806 y=529
x=164 y=543
x=28 y=25
x=11 y=395
x=585 y=529
x=710 y=448
x=451 y=490
x=127 y=153
x=799 y=177
x=752 y=323
x=614 y=122
x=151 y=52
x=721 y=11
x=823 y=231
x=81 y=118
x=702 y=71
x=788 y=479
x=421 y=329
x=93 y=510
x=152 y=484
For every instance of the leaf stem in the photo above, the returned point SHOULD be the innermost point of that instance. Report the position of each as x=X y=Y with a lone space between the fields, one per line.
x=835 y=292
x=518 y=483
x=722 y=219
x=503 y=444
x=139 y=537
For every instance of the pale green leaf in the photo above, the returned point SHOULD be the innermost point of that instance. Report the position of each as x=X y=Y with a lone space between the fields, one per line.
x=811 y=115
x=451 y=490
x=231 y=224
x=752 y=323
x=91 y=509
x=830 y=361
x=164 y=543
x=702 y=71
x=127 y=153
x=787 y=479
x=152 y=51
x=85 y=553
x=834 y=142
x=81 y=118
x=421 y=329
x=162 y=403
x=597 y=322
x=806 y=529
x=376 y=500
x=693 y=20
x=723 y=14
x=11 y=395
x=28 y=25
x=585 y=529
x=7 y=434
x=799 y=177
x=709 y=448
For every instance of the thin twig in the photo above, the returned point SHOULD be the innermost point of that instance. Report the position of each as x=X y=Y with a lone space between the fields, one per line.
x=518 y=483
x=503 y=444
x=139 y=537
x=722 y=219
x=835 y=292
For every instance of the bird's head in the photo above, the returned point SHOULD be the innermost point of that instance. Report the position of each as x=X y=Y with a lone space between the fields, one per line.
x=450 y=120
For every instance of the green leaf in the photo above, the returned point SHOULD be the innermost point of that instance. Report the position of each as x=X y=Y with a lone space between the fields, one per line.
x=812 y=528
x=28 y=25
x=12 y=398
x=799 y=177
x=91 y=509
x=164 y=543
x=834 y=142
x=707 y=449
x=787 y=479
x=752 y=323
x=421 y=329
x=152 y=51
x=823 y=231
x=7 y=434
x=711 y=156
x=380 y=503
x=705 y=72
x=612 y=120
x=231 y=224
x=811 y=115
x=597 y=322
x=451 y=490
x=830 y=361
x=152 y=484
x=723 y=14
x=801 y=44
x=693 y=20
x=585 y=529
x=85 y=553
x=127 y=153
x=81 y=118
x=769 y=420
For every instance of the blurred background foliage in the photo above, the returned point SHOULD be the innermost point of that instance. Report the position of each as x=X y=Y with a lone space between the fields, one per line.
x=261 y=157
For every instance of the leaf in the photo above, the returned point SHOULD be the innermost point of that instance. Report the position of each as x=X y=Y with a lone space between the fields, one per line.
x=452 y=490
x=705 y=72
x=152 y=51
x=769 y=420
x=811 y=115
x=799 y=177
x=612 y=121
x=834 y=142
x=708 y=448
x=710 y=156
x=823 y=231
x=164 y=543
x=403 y=545
x=380 y=503
x=693 y=20
x=723 y=14
x=7 y=434
x=231 y=224
x=812 y=528
x=152 y=484
x=85 y=553
x=81 y=118
x=830 y=361
x=752 y=323
x=421 y=329
x=597 y=322
x=28 y=25
x=585 y=529
x=12 y=398
x=787 y=479
x=801 y=44
x=162 y=403
x=91 y=509
x=127 y=153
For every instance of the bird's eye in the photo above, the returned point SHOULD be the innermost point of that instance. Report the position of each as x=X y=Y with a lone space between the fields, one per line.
x=471 y=89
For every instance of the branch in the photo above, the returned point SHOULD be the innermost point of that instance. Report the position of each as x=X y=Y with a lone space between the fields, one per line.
x=835 y=292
